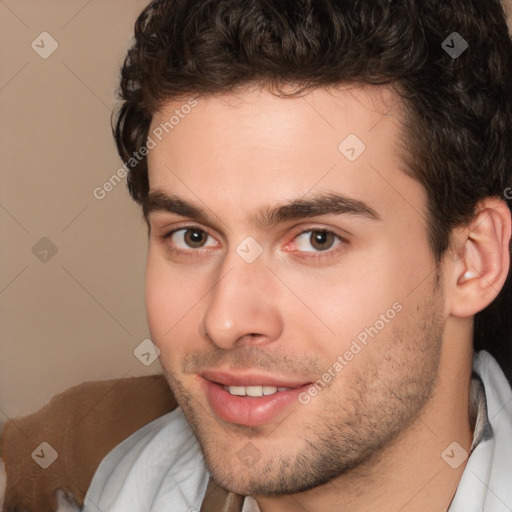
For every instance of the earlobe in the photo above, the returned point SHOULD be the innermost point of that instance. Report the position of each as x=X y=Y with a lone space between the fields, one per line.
x=484 y=260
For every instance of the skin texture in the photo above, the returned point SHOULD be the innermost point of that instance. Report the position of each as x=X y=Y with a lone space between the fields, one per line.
x=372 y=439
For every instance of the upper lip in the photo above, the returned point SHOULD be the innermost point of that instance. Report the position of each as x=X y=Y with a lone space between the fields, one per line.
x=250 y=379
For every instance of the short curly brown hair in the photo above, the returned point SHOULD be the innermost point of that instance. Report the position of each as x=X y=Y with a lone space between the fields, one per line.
x=459 y=109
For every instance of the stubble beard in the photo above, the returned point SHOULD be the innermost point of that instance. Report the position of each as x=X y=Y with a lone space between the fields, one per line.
x=379 y=404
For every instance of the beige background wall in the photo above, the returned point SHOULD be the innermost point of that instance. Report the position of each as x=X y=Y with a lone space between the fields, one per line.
x=79 y=315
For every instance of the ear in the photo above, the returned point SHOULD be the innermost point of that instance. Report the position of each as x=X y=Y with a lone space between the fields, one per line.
x=481 y=268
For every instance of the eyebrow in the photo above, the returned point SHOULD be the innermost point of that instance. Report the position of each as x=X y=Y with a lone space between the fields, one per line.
x=267 y=217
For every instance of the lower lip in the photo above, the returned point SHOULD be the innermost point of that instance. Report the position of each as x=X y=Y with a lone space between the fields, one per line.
x=248 y=411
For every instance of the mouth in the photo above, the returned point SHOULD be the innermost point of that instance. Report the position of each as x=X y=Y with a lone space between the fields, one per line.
x=250 y=399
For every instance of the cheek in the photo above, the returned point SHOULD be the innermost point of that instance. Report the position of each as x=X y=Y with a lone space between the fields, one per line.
x=356 y=304
x=338 y=303
x=171 y=303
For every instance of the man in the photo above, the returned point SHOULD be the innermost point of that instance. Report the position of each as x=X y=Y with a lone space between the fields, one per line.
x=325 y=187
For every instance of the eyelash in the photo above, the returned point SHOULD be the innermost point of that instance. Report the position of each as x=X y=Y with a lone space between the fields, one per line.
x=187 y=252
x=340 y=243
x=315 y=255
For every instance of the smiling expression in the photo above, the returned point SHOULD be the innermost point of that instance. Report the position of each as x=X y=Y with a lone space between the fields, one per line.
x=281 y=229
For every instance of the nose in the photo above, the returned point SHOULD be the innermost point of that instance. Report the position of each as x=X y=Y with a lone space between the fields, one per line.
x=242 y=308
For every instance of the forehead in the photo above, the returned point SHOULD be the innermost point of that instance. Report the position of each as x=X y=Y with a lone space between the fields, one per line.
x=259 y=116
x=240 y=150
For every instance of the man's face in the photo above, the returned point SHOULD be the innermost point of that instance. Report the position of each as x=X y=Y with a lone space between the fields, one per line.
x=257 y=295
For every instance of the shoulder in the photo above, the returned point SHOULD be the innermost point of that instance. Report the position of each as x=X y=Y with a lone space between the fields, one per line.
x=161 y=463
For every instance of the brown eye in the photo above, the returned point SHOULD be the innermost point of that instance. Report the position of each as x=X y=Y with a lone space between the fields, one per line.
x=195 y=238
x=317 y=241
x=321 y=240
x=190 y=240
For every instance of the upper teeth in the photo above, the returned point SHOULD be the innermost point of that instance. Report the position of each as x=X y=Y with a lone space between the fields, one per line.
x=253 y=390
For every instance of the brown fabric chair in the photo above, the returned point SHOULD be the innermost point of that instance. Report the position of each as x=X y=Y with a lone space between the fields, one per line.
x=82 y=425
